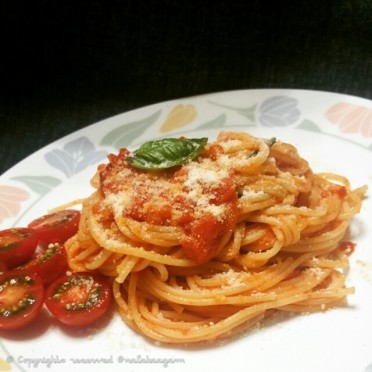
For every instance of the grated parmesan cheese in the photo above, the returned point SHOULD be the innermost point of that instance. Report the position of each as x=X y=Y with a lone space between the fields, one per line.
x=249 y=193
x=230 y=145
x=199 y=174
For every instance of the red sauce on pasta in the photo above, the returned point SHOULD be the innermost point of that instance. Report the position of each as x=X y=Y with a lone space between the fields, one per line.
x=198 y=198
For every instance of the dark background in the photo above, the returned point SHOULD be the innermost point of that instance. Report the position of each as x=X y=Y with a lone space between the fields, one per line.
x=67 y=64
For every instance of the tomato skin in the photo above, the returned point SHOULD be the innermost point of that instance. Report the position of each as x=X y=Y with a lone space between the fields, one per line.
x=17 y=245
x=56 y=227
x=79 y=299
x=49 y=263
x=3 y=267
x=23 y=290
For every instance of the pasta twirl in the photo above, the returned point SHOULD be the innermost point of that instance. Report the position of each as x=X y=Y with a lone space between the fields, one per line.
x=203 y=250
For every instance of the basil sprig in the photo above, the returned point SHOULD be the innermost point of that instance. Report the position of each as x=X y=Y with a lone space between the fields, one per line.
x=166 y=153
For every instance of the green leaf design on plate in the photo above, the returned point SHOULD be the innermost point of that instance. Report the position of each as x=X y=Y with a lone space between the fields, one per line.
x=218 y=122
x=309 y=125
x=124 y=135
x=248 y=112
x=39 y=184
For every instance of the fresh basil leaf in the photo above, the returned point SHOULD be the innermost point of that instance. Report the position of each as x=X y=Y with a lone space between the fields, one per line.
x=166 y=153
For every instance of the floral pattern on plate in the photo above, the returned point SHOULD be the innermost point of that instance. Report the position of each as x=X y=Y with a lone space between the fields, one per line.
x=125 y=134
x=180 y=116
x=11 y=198
x=279 y=111
x=351 y=118
x=75 y=156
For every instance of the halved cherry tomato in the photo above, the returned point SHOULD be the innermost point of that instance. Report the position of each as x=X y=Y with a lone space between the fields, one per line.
x=3 y=267
x=79 y=299
x=49 y=262
x=21 y=298
x=17 y=245
x=56 y=227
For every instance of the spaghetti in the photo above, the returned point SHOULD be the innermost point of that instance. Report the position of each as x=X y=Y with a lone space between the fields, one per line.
x=206 y=249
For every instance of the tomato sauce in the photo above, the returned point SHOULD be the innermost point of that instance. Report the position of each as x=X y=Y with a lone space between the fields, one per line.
x=337 y=190
x=348 y=247
x=203 y=202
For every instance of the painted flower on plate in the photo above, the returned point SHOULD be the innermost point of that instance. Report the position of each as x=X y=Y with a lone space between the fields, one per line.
x=75 y=156
x=10 y=201
x=180 y=116
x=351 y=118
x=279 y=111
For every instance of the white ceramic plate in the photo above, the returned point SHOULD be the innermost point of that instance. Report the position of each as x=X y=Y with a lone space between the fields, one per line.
x=332 y=131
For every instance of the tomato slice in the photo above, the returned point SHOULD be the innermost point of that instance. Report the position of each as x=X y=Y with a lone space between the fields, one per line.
x=21 y=298
x=3 y=267
x=17 y=245
x=79 y=299
x=56 y=227
x=48 y=262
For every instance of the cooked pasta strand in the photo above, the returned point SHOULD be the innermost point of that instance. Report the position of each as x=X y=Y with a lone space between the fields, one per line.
x=202 y=251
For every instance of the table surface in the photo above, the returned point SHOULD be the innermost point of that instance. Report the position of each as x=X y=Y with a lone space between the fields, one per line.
x=67 y=64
